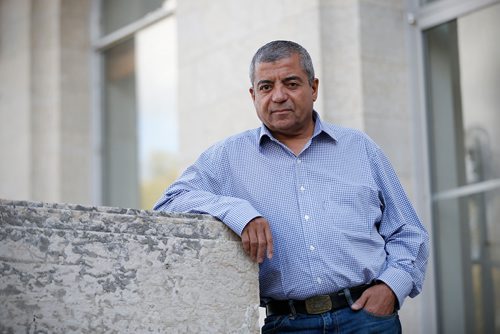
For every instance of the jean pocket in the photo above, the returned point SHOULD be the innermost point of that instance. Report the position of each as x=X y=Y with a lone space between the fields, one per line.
x=273 y=323
x=379 y=316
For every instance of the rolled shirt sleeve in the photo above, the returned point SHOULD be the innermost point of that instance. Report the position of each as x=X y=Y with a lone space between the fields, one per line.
x=198 y=191
x=407 y=241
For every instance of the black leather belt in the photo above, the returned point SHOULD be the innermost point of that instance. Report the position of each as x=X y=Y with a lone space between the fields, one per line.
x=317 y=304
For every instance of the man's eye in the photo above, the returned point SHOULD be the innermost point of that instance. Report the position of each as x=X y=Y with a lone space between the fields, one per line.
x=292 y=84
x=265 y=87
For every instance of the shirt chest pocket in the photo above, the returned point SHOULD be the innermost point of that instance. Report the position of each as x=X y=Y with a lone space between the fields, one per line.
x=353 y=208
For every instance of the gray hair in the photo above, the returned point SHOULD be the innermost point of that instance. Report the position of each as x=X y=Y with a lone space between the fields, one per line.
x=277 y=50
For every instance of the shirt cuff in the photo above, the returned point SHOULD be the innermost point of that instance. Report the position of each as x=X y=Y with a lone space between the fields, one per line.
x=399 y=281
x=238 y=217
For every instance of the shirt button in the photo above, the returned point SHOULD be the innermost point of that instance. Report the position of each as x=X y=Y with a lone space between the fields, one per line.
x=312 y=247
x=306 y=217
x=302 y=188
x=318 y=280
x=299 y=161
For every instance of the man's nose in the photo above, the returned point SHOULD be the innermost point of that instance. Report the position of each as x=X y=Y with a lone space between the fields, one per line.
x=279 y=95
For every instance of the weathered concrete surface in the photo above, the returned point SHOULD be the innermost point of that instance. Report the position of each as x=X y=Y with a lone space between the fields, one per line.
x=68 y=268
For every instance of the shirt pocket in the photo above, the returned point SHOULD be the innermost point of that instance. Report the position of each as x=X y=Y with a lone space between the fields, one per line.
x=353 y=209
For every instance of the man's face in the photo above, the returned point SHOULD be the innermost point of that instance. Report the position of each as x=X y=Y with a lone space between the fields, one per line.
x=283 y=97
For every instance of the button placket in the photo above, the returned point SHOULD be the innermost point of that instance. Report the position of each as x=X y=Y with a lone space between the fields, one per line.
x=305 y=210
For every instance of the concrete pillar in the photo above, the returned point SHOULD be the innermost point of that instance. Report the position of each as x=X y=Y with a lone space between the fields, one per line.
x=45 y=100
x=44 y=104
x=341 y=77
x=385 y=78
x=15 y=101
x=366 y=72
x=75 y=103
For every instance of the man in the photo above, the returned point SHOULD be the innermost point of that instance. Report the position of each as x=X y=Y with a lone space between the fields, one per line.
x=318 y=206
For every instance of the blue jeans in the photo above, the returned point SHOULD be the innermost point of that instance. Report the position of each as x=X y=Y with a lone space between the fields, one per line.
x=342 y=321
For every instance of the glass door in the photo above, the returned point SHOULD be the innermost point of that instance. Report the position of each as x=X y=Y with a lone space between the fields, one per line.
x=463 y=104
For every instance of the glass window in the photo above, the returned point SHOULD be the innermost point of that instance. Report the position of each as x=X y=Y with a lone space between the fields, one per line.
x=425 y=2
x=157 y=109
x=463 y=80
x=140 y=139
x=120 y=133
x=116 y=14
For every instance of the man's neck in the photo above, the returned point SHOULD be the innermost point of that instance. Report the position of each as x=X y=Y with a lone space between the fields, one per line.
x=296 y=143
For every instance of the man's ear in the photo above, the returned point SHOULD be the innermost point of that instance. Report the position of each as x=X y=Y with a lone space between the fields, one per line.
x=315 y=87
x=252 y=93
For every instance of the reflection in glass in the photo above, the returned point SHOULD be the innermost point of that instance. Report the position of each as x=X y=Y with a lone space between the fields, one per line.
x=480 y=84
x=467 y=277
x=425 y=2
x=140 y=117
x=120 y=186
x=463 y=81
x=496 y=296
x=445 y=108
x=157 y=109
x=116 y=14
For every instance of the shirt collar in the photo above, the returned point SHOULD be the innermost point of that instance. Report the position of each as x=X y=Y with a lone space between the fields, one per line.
x=319 y=128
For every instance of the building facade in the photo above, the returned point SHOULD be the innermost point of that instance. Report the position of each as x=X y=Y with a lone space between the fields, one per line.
x=106 y=101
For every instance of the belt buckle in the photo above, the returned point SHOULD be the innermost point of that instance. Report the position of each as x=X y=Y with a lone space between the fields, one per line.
x=318 y=304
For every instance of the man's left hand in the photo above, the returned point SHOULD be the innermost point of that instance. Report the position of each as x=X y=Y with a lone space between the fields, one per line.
x=378 y=299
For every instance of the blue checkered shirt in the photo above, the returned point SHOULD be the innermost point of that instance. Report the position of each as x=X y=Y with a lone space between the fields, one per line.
x=338 y=213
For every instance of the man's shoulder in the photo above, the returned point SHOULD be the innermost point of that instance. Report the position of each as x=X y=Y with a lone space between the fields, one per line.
x=248 y=138
x=344 y=133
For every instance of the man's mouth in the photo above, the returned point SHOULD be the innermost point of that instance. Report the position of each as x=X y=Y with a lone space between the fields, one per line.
x=281 y=111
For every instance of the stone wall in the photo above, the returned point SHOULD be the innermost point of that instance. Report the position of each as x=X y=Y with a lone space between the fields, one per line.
x=69 y=268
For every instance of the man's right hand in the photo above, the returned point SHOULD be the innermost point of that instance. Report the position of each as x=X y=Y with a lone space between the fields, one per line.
x=256 y=238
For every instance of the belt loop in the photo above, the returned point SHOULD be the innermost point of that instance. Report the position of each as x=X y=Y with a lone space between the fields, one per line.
x=347 y=294
x=292 y=307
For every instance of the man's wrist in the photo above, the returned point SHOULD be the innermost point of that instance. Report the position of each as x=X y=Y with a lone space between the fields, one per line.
x=397 y=284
